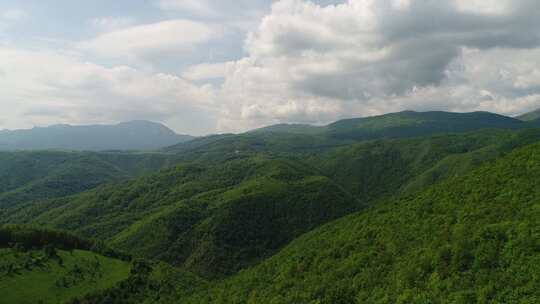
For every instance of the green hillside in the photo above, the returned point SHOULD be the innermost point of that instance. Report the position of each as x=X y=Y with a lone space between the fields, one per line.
x=401 y=125
x=472 y=239
x=33 y=277
x=40 y=175
x=388 y=209
x=372 y=168
x=148 y=283
x=411 y=124
x=405 y=124
x=294 y=140
x=227 y=211
x=211 y=219
x=292 y=129
x=45 y=266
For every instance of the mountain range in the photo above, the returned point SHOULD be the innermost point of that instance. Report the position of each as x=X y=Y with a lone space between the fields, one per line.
x=133 y=135
x=409 y=207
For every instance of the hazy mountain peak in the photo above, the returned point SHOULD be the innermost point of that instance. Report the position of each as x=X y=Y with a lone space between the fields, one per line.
x=530 y=116
x=130 y=135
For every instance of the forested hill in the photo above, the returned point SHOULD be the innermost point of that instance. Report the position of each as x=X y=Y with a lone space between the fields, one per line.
x=377 y=210
x=405 y=124
x=225 y=211
x=45 y=266
x=40 y=175
x=134 y=135
x=402 y=124
x=470 y=239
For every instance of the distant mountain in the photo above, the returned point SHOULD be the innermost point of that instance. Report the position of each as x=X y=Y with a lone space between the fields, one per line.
x=534 y=115
x=412 y=124
x=291 y=128
x=133 y=135
x=402 y=125
x=296 y=138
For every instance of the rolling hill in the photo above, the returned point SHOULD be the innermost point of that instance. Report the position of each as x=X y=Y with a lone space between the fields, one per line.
x=45 y=266
x=40 y=175
x=471 y=239
x=291 y=139
x=133 y=135
x=216 y=216
x=401 y=125
x=401 y=208
x=211 y=219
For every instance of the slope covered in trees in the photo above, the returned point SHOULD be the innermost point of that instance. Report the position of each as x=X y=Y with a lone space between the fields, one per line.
x=41 y=175
x=46 y=266
x=225 y=211
x=401 y=125
x=211 y=219
x=234 y=202
x=469 y=239
x=36 y=277
x=411 y=124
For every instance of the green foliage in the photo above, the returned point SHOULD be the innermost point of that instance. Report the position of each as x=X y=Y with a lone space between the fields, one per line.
x=412 y=124
x=428 y=230
x=37 y=277
x=215 y=216
x=401 y=125
x=301 y=139
x=469 y=239
x=30 y=176
x=147 y=283
x=31 y=238
x=211 y=219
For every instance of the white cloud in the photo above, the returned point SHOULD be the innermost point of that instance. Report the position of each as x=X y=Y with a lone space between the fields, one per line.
x=303 y=62
x=313 y=63
x=152 y=39
x=43 y=87
x=207 y=71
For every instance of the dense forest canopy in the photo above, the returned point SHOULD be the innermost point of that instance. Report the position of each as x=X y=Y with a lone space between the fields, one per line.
x=381 y=210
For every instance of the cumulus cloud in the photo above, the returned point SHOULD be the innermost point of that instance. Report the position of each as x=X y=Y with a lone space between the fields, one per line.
x=303 y=61
x=152 y=39
x=207 y=71
x=43 y=87
x=314 y=63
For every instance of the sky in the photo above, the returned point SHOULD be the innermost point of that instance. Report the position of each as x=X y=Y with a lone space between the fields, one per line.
x=214 y=66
